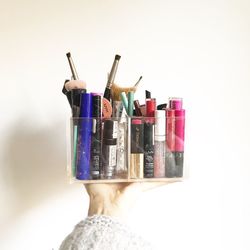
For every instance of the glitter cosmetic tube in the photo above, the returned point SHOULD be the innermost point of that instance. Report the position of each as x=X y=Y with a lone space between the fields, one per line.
x=159 y=147
x=109 y=148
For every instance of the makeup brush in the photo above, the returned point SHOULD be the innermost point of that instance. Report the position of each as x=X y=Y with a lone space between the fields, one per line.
x=75 y=84
x=116 y=90
x=75 y=87
x=72 y=67
x=67 y=93
x=111 y=78
x=138 y=82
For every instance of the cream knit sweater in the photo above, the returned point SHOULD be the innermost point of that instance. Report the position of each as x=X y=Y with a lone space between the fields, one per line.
x=101 y=232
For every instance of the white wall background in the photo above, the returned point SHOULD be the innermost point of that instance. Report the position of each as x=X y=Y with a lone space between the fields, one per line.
x=196 y=49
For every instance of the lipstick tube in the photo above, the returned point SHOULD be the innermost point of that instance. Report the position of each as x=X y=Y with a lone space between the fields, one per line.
x=159 y=147
x=136 y=157
x=109 y=148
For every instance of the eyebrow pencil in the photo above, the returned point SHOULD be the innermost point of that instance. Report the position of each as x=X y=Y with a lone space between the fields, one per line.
x=111 y=78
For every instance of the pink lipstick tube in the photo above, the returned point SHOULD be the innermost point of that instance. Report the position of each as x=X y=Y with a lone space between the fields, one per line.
x=175 y=138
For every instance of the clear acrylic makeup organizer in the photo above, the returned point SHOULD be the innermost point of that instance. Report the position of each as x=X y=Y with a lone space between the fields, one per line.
x=124 y=170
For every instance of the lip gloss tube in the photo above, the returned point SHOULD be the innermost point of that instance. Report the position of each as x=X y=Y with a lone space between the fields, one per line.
x=84 y=138
x=96 y=142
x=159 y=147
x=109 y=148
x=175 y=138
x=170 y=143
x=136 y=157
x=176 y=104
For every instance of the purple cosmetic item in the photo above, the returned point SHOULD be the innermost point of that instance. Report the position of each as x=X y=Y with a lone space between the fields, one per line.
x=160 y=144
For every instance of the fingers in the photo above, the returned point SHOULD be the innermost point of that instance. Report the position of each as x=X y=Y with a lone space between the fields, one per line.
x=145 y=186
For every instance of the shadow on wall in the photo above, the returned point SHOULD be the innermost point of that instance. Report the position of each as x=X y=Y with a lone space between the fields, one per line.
x=35 y=163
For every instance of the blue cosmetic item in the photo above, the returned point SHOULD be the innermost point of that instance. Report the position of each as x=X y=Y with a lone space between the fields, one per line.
x=84 y=138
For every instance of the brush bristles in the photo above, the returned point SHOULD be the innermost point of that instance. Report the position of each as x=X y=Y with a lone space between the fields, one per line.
x=116 y=90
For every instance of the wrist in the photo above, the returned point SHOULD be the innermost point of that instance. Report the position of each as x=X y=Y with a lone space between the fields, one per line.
x=103 y=205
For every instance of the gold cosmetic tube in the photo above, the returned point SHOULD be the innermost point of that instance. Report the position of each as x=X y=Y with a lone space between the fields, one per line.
x=136 y=165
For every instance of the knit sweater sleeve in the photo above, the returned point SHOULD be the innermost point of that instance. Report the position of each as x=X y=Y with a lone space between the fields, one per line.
x=101 y=232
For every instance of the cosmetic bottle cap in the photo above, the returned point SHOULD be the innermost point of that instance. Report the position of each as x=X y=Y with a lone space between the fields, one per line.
x=175 y=103
x=86 y=105
x=148 y=94
x=160 y=123
x=136 y=121
x=110 y=129
x=97 y=105
x=162 y=106
x=150 y=107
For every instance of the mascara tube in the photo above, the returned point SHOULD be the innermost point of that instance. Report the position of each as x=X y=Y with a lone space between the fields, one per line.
x=84 y=138
x=137 y=146
x=96 y=140
x=159 y=147
x=109 y=148
x=148 y=149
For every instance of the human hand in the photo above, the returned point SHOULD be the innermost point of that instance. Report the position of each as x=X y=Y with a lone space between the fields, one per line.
x=116 y=199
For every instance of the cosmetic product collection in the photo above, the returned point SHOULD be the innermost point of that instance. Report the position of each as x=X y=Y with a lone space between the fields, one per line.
x=115 y=137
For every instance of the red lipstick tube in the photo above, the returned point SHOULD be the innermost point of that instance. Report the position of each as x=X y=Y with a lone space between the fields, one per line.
x=150 y=109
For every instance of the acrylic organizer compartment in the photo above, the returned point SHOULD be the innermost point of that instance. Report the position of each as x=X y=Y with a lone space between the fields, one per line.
x=127 y=149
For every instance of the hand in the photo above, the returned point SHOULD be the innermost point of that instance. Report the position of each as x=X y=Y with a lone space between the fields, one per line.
x=116 y=199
